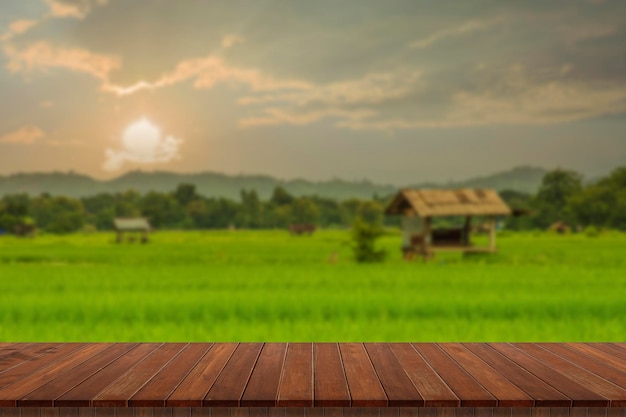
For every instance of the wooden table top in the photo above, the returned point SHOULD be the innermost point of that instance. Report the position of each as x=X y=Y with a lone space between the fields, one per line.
x=313 y=375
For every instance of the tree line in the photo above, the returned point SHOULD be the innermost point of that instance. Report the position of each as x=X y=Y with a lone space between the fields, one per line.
x=561 y=197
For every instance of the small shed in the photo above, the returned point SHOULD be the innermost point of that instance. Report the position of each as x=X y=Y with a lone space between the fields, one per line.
x=132 y=225
x=418 y=207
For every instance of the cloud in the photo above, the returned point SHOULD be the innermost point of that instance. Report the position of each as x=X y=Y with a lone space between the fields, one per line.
x=206 y=73
x=143 y=143
x=43 y=56
x=465 y=28
x=514 y=96
x=72 y=8
x=18 y=27
x=25 y=135
x=229 y=41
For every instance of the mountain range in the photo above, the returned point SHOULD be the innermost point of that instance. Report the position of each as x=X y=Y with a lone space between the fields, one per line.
x=525 y=179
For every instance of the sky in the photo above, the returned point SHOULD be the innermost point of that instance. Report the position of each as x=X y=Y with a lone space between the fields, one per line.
x=394 y=91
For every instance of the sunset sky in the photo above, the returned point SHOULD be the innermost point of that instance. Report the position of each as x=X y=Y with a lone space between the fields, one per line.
x=396 y=91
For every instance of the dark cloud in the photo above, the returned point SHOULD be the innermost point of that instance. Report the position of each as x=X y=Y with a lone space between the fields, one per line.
x=362 y=68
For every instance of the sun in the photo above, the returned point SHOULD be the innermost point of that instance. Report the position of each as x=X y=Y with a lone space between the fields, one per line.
x=142 y=136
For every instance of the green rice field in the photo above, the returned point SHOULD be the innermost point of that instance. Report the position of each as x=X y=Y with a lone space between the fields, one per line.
x=269 y=286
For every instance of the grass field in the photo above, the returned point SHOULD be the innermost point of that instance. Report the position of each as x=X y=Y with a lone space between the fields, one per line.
x=268 y=286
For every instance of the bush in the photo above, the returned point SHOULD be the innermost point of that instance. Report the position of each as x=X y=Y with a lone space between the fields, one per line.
x=364 y=236
x=592 y=231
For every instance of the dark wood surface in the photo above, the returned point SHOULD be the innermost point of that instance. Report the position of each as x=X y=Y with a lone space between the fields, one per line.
x=262 y=376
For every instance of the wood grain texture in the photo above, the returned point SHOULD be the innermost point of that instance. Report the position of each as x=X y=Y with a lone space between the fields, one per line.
x=42 y=376
x=507 y=393
x=581 y=396
x=155 y=392
x=121 y=390
x=608 y=373
x=470 y=392
x=288 y=379
x=296 y=385
x=431 y=387
x=543 y=394
x=397 y=385
x=330 y=384
x=45 y=395
x=231 y=383
x=584 y=377
x=82 y=394
x=365 y=388
x=262 y=388
x=199 y=381
x=38 y=364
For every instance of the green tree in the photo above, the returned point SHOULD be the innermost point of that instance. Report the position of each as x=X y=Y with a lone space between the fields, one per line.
x=185 y=194
x=304 y=211
x=162 y=210
x=557 y=187
x=250 y=213
x=280 y=197
x=366 y=230
x=602 y=204
x=58 y=214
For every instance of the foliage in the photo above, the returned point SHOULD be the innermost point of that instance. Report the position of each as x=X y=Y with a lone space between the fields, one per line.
x=366 y=230
x=602 y=204
x=304 y=211
x=551 y=200
x=561 y=197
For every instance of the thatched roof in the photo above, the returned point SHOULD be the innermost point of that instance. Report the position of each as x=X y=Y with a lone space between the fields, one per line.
x=134 y=224
x=463 y=202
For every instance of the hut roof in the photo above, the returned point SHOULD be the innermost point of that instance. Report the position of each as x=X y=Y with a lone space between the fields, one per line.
x=460 y=202
x=134 y=224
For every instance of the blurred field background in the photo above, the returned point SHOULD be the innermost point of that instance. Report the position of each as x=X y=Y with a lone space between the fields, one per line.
x=270 y=286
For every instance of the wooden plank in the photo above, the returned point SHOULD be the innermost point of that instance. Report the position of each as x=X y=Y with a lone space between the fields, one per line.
x=365 y=388
x=329 y=381
x=10 y=412
x=155 y=392
x=105 y=412
x=29 y=412
x=10 y=394
x=591 y=364
x=123 y=411
x=39 y=363
x=543 y=394
x=262 y=389
x=230 y=384
x=15 y=354
x=397 y=385
x=427 y=382
x=45 y=395
x=82 y=394
x=507 y=393
x=197 y=384
x=584 y=377
x=581 y=396
x=48 y=412
x=470 y=392
x=604 y=357
x=611 y=349
x=296 y=386
x=71 y=412
x=118 y=393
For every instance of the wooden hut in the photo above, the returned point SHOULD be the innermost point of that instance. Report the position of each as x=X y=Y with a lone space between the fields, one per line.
x=419 y=207
x=132 y=225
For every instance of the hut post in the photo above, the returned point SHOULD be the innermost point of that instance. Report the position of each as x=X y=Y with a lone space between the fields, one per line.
x=427 y=237
x=492 y=234
x=467 y=228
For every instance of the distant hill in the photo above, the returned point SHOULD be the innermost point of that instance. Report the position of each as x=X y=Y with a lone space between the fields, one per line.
x=526 y=179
